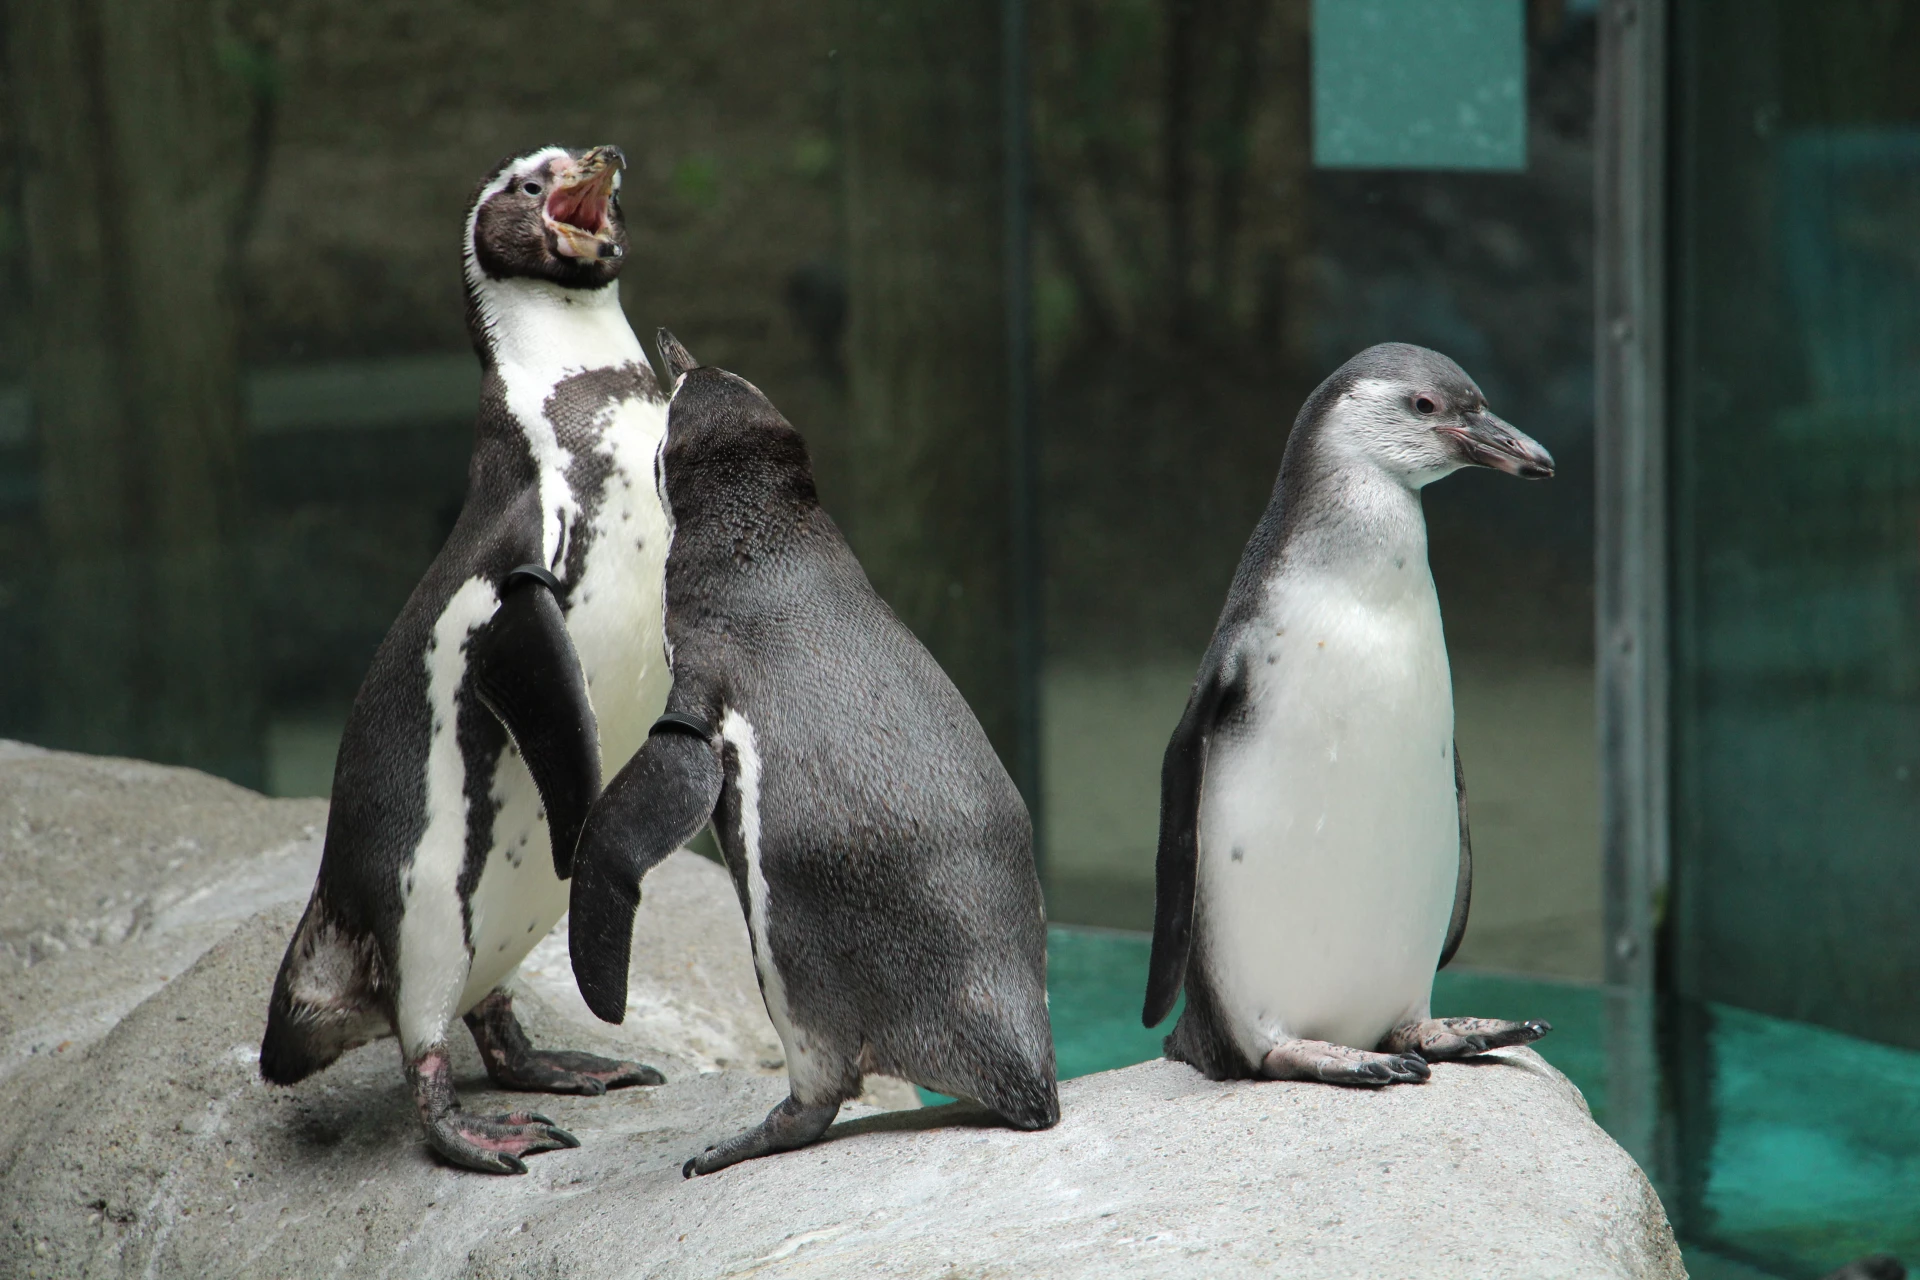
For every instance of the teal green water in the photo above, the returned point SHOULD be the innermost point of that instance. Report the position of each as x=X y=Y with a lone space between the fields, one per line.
x=1813 y=1151
x=1815 y=1145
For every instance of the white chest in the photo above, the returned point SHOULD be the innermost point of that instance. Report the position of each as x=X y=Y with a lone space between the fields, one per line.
x=1329 y=832
x=616 y=619
x=616 y=622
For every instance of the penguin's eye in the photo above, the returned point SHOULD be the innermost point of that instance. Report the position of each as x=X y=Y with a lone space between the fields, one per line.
x=1426 y=404
x=531 y=188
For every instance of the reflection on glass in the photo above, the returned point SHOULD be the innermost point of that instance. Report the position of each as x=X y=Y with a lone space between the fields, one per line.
x=1797 y=715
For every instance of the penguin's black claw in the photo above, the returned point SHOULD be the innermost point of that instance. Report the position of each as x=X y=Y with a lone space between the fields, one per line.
x=1450 y=1039
x=554 y=1131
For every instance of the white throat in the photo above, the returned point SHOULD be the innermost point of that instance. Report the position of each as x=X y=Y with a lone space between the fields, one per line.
x=541 y=328
x=1364 y=525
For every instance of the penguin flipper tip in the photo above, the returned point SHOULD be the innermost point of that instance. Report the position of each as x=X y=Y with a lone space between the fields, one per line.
x=674 y=354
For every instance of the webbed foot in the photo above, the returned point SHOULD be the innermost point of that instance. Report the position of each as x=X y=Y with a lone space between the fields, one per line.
x=513 y=1063
x=1338 y=1064
x=789 y=1125
x=495 y=1144
x=489 y=1144
x=1450 y=1039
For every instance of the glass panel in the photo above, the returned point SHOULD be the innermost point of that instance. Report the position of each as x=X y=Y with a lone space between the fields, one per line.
x=1196 y=277
x=1797 y=596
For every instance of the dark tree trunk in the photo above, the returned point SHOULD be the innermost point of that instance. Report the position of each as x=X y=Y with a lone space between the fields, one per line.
x=1182 y=46
x=133 y=166
x=927 y=350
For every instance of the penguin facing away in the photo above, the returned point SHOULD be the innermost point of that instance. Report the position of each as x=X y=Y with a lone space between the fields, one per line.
x=1314 y=867
x=883 y=857
x=530 y=651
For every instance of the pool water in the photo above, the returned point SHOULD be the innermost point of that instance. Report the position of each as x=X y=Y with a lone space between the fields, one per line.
x=1804 y=1156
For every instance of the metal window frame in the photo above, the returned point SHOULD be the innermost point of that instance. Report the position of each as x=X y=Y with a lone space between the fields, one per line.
x=1632 y=547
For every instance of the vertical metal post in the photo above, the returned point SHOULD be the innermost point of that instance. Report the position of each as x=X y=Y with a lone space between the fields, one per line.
x=1631 y=546
x=1024 y=472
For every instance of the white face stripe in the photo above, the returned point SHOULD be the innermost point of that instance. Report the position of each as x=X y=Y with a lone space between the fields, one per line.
x=500 y=182
x=433 y=939
x=1372 y=426
x=802 y=1067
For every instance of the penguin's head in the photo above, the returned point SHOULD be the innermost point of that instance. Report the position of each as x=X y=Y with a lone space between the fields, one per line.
x=1417 y=415
x=552 y=215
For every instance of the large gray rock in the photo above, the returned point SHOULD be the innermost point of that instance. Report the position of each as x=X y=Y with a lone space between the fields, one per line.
x=115 y=875
x=153 y=1149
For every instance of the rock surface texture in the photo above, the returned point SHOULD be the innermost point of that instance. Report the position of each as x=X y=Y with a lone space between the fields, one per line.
x=142 y=914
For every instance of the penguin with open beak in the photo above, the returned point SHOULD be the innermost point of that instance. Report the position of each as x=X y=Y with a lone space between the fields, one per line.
x=530 y=655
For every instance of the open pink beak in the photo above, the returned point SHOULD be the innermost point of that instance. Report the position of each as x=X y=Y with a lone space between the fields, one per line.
x=576 y=210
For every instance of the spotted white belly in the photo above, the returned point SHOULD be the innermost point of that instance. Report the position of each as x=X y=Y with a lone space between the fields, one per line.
x=1329 y=828
x=616 y=624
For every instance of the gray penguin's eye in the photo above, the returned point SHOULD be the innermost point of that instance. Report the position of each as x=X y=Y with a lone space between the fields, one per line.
x=531 y=188
x=1426 y=404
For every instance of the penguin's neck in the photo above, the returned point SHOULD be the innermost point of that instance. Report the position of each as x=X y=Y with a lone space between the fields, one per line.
x=530 y=329
x=1365 y=526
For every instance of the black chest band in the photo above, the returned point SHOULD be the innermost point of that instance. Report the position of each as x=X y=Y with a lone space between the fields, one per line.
x=680 y=722
x=532 y=573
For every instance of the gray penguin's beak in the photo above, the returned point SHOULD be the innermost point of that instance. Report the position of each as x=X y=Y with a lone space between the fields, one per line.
x=1485 y=441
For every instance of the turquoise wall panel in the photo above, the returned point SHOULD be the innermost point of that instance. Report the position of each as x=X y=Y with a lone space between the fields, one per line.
x=1419 y=84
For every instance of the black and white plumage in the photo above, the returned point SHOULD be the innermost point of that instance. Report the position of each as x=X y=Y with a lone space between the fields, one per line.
x=1314 y=867
x=883 y=857
x=530 y=652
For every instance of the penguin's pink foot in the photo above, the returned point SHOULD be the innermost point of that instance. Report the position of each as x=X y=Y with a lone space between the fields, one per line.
x=1450 y=1039
x=495 y=1144
x=513 y=1062
x=489 y=1144
x=1338 y=1064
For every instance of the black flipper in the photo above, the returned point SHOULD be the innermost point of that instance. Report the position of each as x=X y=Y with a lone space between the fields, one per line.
x=666 y=793
x=1463 y=884
x=1176 y=866
x=676 y=357
x=524 y=669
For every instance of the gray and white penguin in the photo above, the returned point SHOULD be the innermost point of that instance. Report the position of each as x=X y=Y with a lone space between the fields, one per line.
x=1314 y=867
x=883 y=857
x=531 y=651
